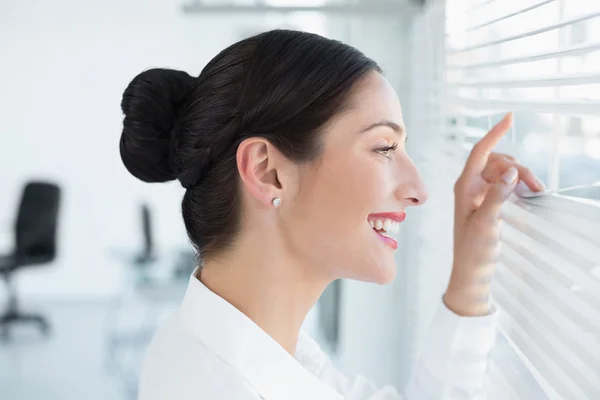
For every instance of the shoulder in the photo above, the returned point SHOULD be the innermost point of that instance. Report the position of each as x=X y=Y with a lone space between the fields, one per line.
x=179 y=366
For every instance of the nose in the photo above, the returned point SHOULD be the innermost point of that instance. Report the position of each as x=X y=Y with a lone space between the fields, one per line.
x=411 y=189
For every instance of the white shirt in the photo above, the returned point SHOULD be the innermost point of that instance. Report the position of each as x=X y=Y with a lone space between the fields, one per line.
x=210 y=350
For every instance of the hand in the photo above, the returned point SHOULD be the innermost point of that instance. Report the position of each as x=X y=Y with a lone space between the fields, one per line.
x=486 y=182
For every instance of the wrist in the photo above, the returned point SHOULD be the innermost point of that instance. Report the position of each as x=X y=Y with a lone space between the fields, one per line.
x=468 y=292
x=471 y=301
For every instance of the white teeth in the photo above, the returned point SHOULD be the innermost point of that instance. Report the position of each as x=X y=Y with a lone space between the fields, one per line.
x=383 y=233
x=388 y=225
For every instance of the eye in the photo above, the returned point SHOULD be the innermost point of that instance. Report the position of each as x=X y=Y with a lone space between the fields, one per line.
x=385 y=150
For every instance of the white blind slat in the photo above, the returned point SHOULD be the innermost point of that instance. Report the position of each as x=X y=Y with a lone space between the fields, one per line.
x=555 y=294
x=586 y=347
x=483 y=106
x=548 y=81
x=541 y=60
x=523 y=35
x=507 y=16
x=539 y=356
x=574 y=50
x=577 y=366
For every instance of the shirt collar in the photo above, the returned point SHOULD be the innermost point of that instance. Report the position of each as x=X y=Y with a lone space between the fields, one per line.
x=236 y=339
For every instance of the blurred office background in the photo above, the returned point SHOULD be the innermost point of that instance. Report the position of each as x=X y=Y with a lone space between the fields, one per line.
x=101 y=258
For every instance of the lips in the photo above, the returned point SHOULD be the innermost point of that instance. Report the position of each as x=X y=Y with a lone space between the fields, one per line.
x=388 y=241
x=398 y=216
x=387 y=226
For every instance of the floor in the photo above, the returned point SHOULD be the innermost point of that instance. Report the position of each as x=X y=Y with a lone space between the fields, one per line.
x=73 y=363
x=79 y=360
x=76 y=363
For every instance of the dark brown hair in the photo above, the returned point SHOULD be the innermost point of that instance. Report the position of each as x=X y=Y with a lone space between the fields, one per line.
x=281 y=85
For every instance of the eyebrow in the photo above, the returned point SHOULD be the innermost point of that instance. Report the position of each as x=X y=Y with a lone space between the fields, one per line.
x=399 y=129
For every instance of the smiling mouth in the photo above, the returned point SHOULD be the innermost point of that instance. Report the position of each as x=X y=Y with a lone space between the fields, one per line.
x=387 y=226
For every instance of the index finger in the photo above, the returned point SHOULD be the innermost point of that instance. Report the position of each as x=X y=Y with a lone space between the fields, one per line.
x=482 y=149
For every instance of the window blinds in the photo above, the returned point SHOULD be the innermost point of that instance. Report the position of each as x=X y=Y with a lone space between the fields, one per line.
x=541 y=60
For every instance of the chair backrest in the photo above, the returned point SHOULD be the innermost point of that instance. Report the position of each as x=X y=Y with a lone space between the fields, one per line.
x=37 y=221
x=148 y=250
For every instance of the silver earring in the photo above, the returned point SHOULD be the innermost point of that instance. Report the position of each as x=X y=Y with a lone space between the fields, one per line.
x=276 y=201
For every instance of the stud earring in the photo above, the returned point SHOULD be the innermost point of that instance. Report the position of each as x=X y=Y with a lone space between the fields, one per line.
x=276 y=201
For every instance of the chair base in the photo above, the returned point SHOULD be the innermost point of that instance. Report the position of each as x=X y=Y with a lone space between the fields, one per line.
x=11 y=318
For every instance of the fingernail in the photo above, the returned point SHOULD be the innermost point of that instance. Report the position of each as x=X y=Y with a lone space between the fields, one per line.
x=510 y=175
x=540 y=184
x=523 y=190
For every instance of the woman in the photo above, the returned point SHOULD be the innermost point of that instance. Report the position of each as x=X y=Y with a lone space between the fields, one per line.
x=291 y=148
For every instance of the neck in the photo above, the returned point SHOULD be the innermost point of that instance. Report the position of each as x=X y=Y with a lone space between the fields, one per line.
x=268 y=285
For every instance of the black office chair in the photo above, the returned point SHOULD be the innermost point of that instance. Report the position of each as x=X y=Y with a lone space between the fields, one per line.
x=146 y=256
x=35 y=244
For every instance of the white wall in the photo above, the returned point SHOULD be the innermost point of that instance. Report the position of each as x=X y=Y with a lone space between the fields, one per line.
x=64 y=67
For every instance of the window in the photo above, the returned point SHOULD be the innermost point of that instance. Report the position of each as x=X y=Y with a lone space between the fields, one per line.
x=541 y=60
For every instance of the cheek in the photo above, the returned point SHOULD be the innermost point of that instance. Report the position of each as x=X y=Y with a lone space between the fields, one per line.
x=347 y=190
x=332 y=213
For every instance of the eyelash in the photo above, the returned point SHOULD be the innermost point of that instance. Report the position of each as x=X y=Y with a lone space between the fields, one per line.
x=385 y=150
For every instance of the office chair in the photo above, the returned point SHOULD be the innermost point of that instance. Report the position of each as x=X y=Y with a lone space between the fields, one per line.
x=138 y=274
x=35 y=244
x=146 y=256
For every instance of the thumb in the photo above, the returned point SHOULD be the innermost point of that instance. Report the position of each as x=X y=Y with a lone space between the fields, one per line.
x=499 y=192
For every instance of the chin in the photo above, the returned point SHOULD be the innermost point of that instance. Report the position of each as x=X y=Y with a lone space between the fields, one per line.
x=380 y=274
x=386 y=275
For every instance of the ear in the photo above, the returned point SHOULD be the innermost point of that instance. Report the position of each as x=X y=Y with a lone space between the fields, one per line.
x=264 y=170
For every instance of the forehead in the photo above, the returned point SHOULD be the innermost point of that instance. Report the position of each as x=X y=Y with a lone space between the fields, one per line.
x=373 y=98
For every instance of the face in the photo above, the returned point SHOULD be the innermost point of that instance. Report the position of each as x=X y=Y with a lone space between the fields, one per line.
x=354 y=198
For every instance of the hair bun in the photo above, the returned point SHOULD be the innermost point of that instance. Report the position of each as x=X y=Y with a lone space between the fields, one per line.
x=152 y=103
